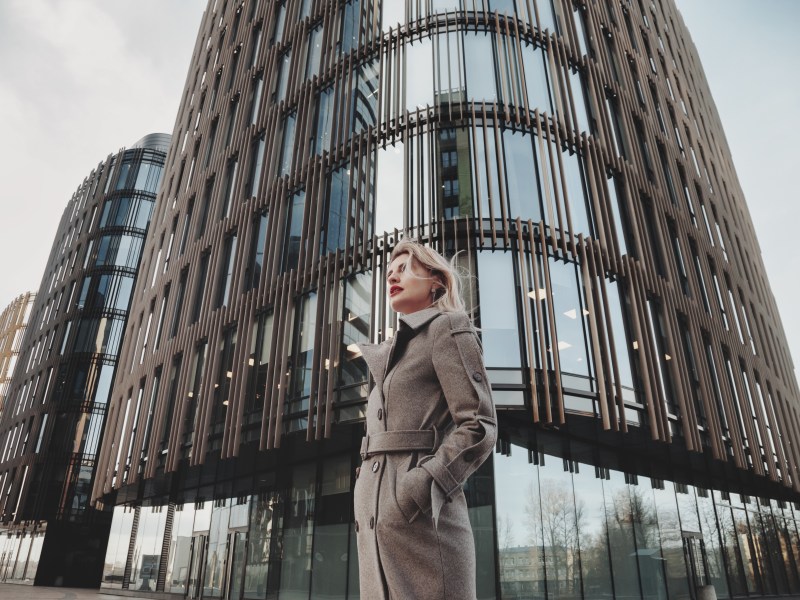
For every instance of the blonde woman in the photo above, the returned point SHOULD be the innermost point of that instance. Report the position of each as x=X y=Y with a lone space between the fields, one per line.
x=430 y=424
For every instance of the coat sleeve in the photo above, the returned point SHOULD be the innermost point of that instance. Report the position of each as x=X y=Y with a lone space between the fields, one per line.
x=458 y=363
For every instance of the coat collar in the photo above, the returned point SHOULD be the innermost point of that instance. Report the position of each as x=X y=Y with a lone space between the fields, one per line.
x=417 y=320
x=377 y=356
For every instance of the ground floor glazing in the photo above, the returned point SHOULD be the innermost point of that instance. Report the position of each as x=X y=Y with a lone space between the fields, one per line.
x=545 y=527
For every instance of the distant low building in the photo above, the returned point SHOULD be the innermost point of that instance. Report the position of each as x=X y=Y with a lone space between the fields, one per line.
x=13 y=321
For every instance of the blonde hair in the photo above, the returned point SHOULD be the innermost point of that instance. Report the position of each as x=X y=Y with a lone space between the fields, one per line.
x=447 y=297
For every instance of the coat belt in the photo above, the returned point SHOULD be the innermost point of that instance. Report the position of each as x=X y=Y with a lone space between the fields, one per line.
x=399 y=441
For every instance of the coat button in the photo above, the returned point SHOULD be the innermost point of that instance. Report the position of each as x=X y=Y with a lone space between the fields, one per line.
x=477 y=377
x=380 y=414
x=372 y=522
x=469 y=456
x=375 y=466
x=356 y=526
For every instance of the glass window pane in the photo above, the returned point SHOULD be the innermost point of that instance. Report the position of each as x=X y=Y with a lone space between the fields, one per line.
x=523 y=188
x=479 y=55
x=498 y=309
x=419 y=74
x=621 y=537
x=520 y=542
x=331 y=530
x=298 y=529
x=536 y=80
x=593 y=533
x=570 y=326
x=390 y=189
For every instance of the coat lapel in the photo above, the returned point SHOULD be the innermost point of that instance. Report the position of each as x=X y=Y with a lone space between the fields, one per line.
x=377 y=356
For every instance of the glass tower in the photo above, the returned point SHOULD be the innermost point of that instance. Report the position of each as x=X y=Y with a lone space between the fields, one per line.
x=57 y=403
x=569 y=155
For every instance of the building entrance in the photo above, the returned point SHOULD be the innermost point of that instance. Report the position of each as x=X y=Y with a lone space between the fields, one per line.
x=694 y=551
x=194 y=586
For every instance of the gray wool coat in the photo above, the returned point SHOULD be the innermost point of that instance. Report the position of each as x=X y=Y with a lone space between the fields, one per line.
x=430 y=423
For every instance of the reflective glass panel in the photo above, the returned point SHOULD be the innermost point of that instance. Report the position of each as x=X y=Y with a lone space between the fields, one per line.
x=498 y=307
x=419 y=74
x=298 y=530
x=522 y=186
x=520 y=543
x=331 y=531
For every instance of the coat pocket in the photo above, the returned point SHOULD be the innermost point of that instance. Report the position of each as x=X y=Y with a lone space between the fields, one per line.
x=413 y=493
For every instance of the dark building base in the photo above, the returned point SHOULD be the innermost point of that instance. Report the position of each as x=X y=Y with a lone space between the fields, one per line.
x=72 y=554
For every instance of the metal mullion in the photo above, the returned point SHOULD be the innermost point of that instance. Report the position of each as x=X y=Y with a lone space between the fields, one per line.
x=138 y=438
x=527 y=318
x=607 y=413
x=776 y=431
x=681 y=370
x=546 y=176
x=286 y=349
x=334 y=348
x=488 y=177
x=600 y=202
x=275 y=215
x=567 y=243
x=607 y=342
x=538 y=245
x=653 y=356
x=646 y=381
x=317 y=356
x=557 y=176
x=428 y=141
x=499 y=150
x=239 y=373
x=205 y=407
x=568 y=115
x=523 y=78
x=476 y=173
x=324 y=376
x=399 y=70
x=356 y=161
x=553 y=333
x=708 y=397
x=247 y=319
x=104 y=459
x=761 y=425
x=312 y=234
x=734 y=432
x=501 y=64
x=791 y=433
x=370 y=153
x=688 y=419
x=173 y=425
x=747 y=417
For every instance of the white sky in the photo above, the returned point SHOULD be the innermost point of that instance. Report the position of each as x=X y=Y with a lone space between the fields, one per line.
x=80 y=79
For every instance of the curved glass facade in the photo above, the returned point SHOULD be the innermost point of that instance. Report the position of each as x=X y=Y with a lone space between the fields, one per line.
x=566 y=153
x=58 y=398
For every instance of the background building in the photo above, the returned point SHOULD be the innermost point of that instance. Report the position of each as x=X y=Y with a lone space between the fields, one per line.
x=570 y=155
x=52 y=425
x=13 y=321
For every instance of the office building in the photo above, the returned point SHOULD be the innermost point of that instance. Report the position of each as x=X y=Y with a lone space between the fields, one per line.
x=569 y=155
x=55 y=413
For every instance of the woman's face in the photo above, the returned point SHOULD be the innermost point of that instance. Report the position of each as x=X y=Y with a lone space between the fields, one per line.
x=409 y=285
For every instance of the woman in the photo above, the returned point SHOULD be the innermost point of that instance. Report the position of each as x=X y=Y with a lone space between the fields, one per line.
x=430 y=424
